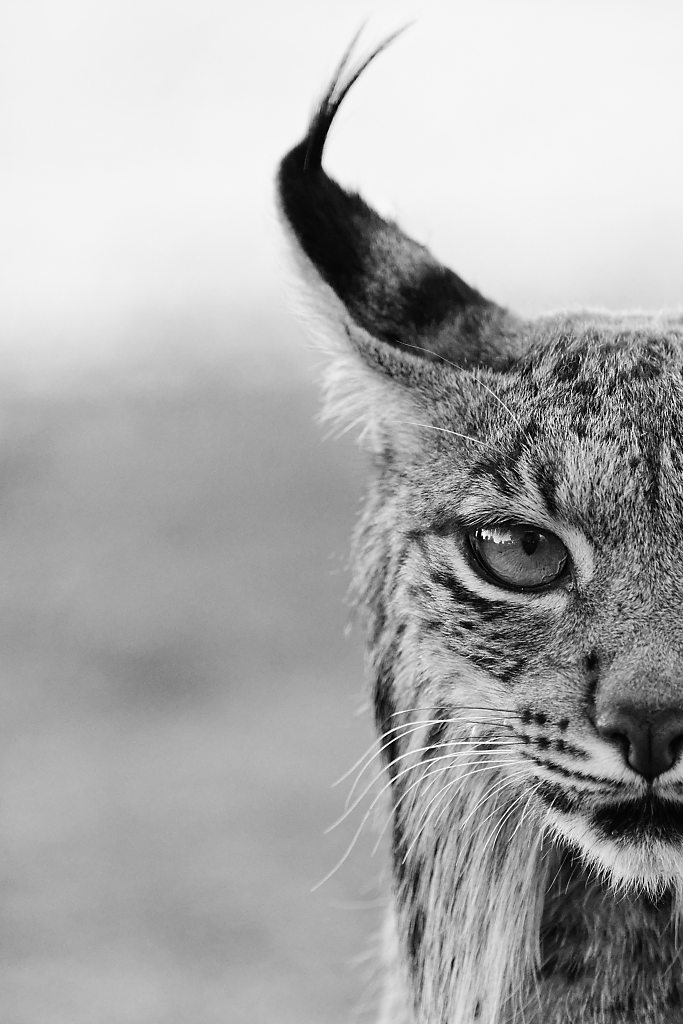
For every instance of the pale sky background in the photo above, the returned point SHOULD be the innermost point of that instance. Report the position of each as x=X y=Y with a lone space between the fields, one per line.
x=535 y=146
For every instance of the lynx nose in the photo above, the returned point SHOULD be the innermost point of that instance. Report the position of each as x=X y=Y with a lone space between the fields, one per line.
x=650 y=740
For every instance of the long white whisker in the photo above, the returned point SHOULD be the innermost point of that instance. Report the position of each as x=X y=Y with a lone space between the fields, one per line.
x=406 y=793
x=359 y=799
x=455 y=433
x=450 y=767
x=427 y=775
x=523 y=773
x=367 y=814
x=445 y=789
x=463 y=778
x=500 y=401
x=526 y=808
x=511 y=780
x=473 y=744
x=493 y=813
x=430 y=774
x=494 y=835
x=456 y=708
x=474 y=375
x=422 y=823
x=349 y=808
x=414 y=725
x=408 y=726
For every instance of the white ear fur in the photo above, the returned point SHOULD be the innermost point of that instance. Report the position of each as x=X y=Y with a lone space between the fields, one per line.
x=356 y=397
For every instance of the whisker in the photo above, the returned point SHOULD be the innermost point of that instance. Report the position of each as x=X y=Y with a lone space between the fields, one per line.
x=488 y=796
x=500 y=401
x=440 y=792
x=455 y=433
x=457 y=707
x=370 y=754
x=426 y=775
x=409 y=726
x=425 y=817
x=470 y=722
x=484 y=799
x=494 y=835
x=474 y=375
x=508 y=781
x=366 y=817
x=359 y=799
x=458 y=779
x=526 y=808
x=463 y=778
x=478 y=744
x=555 y=877
x=349 y=808
x=426 y=820
x=403 y=772
x=395 y=806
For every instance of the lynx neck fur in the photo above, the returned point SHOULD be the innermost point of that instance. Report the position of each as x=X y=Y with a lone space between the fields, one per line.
x=519 y=568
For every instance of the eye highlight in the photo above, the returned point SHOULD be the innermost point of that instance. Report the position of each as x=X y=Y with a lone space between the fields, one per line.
x=519 y=556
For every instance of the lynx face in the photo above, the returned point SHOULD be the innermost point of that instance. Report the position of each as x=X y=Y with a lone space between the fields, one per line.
x=519 y=559
x=541 y=583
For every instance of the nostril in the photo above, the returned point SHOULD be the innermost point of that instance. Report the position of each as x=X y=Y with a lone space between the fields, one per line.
x=650 y=741
x=617 y=739
x=629 y=740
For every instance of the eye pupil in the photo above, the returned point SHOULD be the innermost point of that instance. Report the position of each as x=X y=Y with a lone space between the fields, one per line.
x=530 y=541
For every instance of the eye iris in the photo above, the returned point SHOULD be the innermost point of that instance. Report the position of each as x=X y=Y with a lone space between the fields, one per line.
x=521 y=556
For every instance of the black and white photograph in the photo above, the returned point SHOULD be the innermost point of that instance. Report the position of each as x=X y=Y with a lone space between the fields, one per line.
x=341 y=512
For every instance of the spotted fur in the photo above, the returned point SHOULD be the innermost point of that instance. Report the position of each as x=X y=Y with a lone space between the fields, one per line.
x=536 y=877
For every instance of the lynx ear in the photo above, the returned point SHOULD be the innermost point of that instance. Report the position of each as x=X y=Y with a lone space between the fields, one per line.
x=389 y=286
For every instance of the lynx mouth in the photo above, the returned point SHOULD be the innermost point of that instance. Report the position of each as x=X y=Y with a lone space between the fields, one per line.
x=638 y=821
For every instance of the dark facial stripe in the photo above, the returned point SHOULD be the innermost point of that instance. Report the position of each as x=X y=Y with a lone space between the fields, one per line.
x=489 y=610
x=544 y=742
x=547 y=488
x=408 y=882
x=558 y=798
x=436 y=733
x=491 y=469
x=559 y=769
x=511 y=671
x=416 y=927
x=385 y=709
x=652 y=459
x=385 y=706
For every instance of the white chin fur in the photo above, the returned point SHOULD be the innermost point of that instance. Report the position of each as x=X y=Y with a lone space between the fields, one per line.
x=645 y=866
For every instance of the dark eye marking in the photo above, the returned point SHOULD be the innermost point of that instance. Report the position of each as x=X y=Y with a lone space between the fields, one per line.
x=518 y=557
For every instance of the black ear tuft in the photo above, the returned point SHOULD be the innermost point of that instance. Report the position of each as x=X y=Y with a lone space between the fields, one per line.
x=390 y=285
x=342 y=82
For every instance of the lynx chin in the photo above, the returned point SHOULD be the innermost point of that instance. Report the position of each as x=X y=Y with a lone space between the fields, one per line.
x=519 y=566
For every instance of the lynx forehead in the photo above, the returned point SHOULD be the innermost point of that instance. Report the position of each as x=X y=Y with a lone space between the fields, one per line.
x=518 y=564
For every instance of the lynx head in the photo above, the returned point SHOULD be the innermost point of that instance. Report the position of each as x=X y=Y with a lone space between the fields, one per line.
x=520 y=560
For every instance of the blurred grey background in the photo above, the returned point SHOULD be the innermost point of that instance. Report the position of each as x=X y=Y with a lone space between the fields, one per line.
x=177 y=691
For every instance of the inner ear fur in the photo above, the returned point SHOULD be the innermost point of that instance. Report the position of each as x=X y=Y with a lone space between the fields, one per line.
x=391 y=289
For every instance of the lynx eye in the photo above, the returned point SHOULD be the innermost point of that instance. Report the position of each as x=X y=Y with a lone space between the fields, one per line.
x=519 y=556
